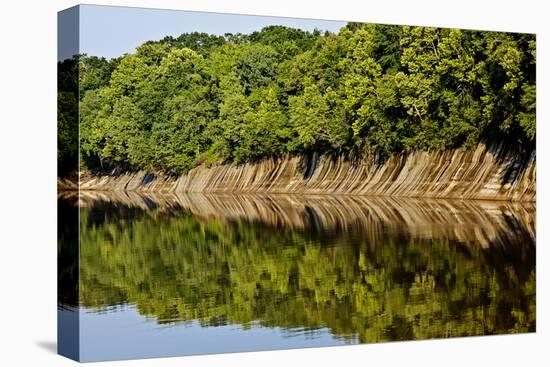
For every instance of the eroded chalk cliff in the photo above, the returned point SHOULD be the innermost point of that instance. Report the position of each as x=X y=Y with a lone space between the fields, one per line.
x=491 y=172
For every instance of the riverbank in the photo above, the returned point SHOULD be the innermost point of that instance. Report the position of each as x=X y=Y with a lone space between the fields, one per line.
x=488 y=172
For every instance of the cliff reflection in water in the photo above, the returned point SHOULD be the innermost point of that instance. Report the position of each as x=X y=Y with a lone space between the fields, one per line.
x=366 y=269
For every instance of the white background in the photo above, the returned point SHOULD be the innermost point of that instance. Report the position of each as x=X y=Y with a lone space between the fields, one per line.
x=28 y=179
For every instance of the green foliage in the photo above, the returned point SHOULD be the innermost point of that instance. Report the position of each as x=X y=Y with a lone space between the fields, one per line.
x=67 y=116
x=183 y=84
x=288 y=42
x=318 y=118
x=180 y=102
x=527 y=118
x=256 y=66
x=200 y=42
x=95 y=72
x=266 y=130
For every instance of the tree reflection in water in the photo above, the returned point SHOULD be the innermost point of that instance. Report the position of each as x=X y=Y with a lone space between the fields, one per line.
x=367 y=269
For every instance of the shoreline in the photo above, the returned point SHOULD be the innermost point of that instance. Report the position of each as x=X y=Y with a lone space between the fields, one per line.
x=492 y=173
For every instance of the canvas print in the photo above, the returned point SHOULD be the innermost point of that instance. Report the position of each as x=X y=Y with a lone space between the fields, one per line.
x=232 y=183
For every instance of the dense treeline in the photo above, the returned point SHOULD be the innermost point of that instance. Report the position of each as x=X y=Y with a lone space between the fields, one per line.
x=199 y=98
x=374 y=286
x=67 y=116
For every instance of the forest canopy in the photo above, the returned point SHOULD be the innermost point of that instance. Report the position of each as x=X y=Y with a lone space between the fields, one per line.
x=379 y=89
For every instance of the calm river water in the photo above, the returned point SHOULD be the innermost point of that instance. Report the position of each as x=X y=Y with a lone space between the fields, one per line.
x=164 y=275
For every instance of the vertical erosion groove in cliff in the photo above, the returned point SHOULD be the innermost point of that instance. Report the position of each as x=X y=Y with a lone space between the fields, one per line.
x=492 y=172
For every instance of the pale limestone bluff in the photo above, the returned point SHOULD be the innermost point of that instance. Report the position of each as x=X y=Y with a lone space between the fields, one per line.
x=487 y=172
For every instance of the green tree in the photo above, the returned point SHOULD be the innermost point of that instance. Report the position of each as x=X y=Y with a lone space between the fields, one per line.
x=288 y=42
x=67 y=116
x=184 y=86
x=256 y=66
x=266 y=131
x=382 y=89
x=319 y=120
x=200 y=42
x=95 y=72
x=506 y=81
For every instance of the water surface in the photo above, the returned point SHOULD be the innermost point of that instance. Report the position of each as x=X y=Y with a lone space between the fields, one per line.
x=165 y=275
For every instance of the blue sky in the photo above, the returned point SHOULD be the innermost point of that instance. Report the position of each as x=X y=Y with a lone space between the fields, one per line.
x=112 y=31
